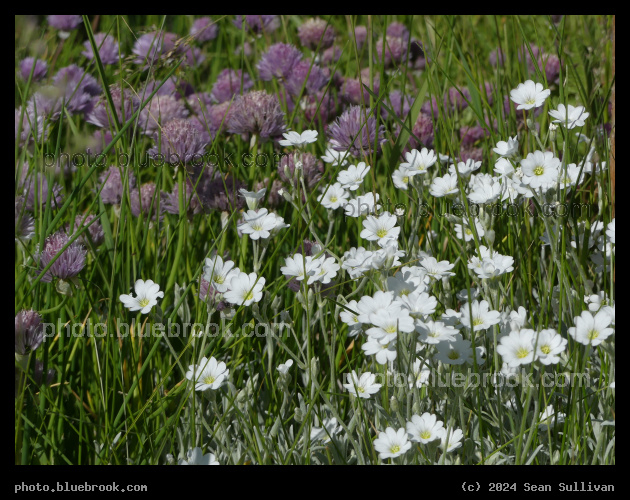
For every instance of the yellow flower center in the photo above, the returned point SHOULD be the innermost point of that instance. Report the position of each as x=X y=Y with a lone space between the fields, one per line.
x=522 y=353
x=219 y=279
x=395 y=449
x=593 y=334
x=381 y=233
x=453 y=355
x=333 y=199
x=425 y=434
x=405 y=180
x=477 y=321
x=539 y=170
x=209 y=380
x=545 y=349
x=144 y=302
x=249 y=296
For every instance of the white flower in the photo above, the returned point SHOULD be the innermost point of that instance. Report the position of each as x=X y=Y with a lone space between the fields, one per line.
x=329 y=428
x=244 y=289
x=380 y=228
x=444 y=186
x=485 y=190
x=437 y=270
x=451 y=439
x=357 y=261
x=392 y=443
x=298 y=266
x=401 y=177
x=490 y=264
x=350 y=317
x=455 y=353
x=334 y=197
x=383 y=350
x=507 y=149
x=517 y=348
x=324 y=269
x=196 y=457
x=540 y=169
x=482 y=317
x=147 y=294
x=296 y=139
x=610 y=231
x=208 y=374
x=252 y=197
x=529 y=95
x=419 y=305
x=219 y=273
x=284 y=367
x=362 y=205
x=418 y=162
x=434 y=332
x=388 y=323
x=504 y=168
x=463 y=231
x=464 y=168
x=570 y=117
x=352 y=178
x=549 y=418
x=419 y=375
x=260 y=224
x=425 y=428
x=335 y=157
x=549 y=345
x=369 y=307
x=591 y=330
x=363 y=386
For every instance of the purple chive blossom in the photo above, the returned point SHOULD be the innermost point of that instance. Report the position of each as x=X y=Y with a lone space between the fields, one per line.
x=161 y=110
x=142 y=199
x=102 y=115
x=497 y=58
x=24 y=223
x=221 y=192
x=423 y=129
x=400 y=104
x=259 y=23
x=417 y=59
x=39 y=73
x=312 y=168
x=150 y=46
x=36 y=187
x=29 y=331
x=38 y=374
x=30 y=119
x=314 y=32
x=98 y=142
x=76 y=89
x=456 y=99
x=278 y=61
x=392 y=50
x=107 y=48
x=256 y=113
x=471 y=153
x=320 y=107
x=170 y=203
x=65 y=22
x=70 y=261
x=354 y=133
x=112 y=184
x=471 y=135
x=354 y=90
x=228 y=85
x=315 y=81
x=179 y=142
x=399 y=30
x=204 y=29
x=331 y=55
x=95 y=230
x=212 y=120
x=207 y=293
x=360 y=36
x=193 y=56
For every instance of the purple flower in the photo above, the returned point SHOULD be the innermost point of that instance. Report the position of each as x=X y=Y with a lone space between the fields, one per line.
x=95 y=230
x=161 y=110
x=107 y=48
x=228 y=84
x=65 y=22
x=399 y=30
x=142 y=199
x=125 y=104
x=204 y=29
x=113 y=187
x=312 y=168
x=100 y=139
x=314 y=32
x=356 y=131
x=30 y=118
x=471 y=135
x=29 y=331
x=471 y=153
x=193 y=56
x=331 y=55
x=423 y=129
x=221 y=192
x=24 y=223
x=36 y=187
x=315 y=80
x=211 y=120
x=417 y=58
x=456 y=99
x=354 y=89
x=192 y=200
x=320 y=107
x=179 y=142
x=259 y=23
x=39 y=73
x=70 y=261
x=208 y=293
x=76 y=90
x=256 y=113
x=38 y=374
x=497 y=58
x=360 y=36
x=150 y=46
x=392 y=50
x=278 y=61
x=400 y=104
